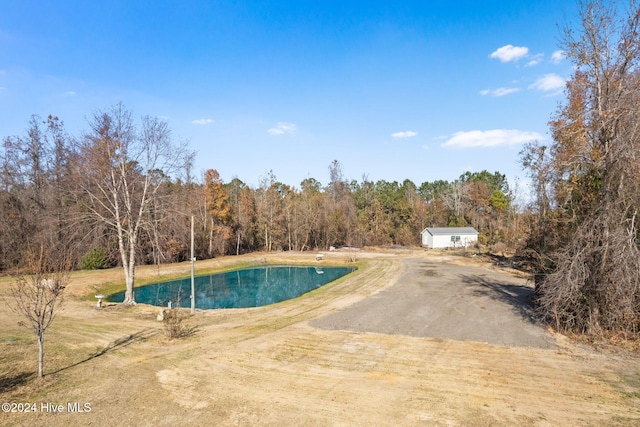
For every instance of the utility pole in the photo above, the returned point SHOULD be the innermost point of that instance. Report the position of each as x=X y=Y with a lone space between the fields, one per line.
x=193 y=282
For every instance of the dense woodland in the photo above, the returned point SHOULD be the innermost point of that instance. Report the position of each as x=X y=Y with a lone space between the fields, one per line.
x=54 y=193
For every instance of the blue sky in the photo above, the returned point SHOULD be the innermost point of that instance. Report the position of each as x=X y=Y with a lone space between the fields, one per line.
x=422 y=90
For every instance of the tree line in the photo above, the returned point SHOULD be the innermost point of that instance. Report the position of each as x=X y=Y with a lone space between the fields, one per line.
x=124 y=192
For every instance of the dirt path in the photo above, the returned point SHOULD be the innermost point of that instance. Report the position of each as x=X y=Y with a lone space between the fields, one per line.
x=441 y=300
x=327 y=359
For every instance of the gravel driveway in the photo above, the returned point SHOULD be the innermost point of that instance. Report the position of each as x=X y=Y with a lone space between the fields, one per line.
x=437 y=299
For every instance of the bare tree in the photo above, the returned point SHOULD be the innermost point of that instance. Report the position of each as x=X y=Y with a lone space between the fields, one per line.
x=594 y=284
x=269 y=211
x=38 y=296
x=118 y=168
x=454 y=199
x=339 y=209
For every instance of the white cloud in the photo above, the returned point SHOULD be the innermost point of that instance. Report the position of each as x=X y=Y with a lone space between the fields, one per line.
x=69 y=93
x=490 y=138
x=549 y=83
x=557 y=56
x=535 y=60
x=282 y=128
x=501 y=91
x=202 y=121
x=510 y=53
x=407 y=134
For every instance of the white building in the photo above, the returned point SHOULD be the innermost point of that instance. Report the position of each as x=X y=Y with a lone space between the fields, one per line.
x=448 y=237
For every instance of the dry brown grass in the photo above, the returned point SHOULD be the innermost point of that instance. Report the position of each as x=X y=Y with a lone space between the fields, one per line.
x=267 y=366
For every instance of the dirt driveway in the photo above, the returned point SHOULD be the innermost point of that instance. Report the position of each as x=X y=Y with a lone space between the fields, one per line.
x=392 y=344
x=437 y=299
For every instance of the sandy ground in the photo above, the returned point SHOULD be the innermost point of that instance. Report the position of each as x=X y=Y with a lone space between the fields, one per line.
x=411 y=338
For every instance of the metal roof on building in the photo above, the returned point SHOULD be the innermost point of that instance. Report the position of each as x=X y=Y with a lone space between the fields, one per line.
x=444 y=231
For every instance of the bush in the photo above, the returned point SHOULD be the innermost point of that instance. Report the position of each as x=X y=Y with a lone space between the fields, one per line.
x=95 y=259
x=175 y=326
x=499 y=248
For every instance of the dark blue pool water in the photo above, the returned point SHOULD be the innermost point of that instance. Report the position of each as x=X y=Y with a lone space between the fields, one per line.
x=251 y=287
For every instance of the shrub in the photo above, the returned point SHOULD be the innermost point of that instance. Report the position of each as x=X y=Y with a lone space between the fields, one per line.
x=175 y=326
x=499 y=248
x=95 y=259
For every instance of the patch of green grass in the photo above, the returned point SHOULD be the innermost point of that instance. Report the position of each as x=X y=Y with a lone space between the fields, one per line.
x=16 y=338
